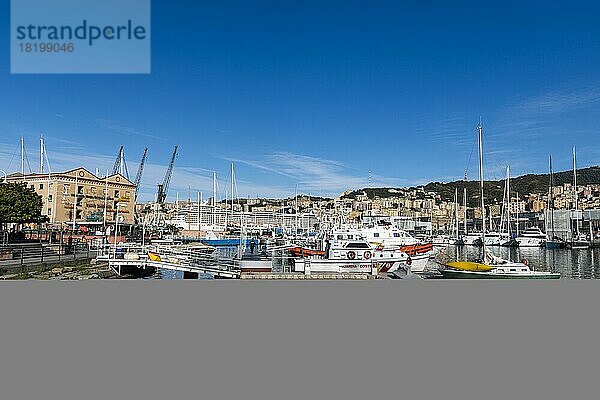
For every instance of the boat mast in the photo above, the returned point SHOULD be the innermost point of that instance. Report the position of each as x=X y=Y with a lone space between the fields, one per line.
x=199 y=215
x=480 y=137
x=509 y=201
x=456 y=211
x=23 y=157
x=551 y=200
x=518 y=210
x=465 y=203
x=575 y=190
x=41 y=154
x=214 y=200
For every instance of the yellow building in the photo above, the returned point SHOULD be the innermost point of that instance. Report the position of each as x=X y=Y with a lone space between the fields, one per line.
x=94 y=199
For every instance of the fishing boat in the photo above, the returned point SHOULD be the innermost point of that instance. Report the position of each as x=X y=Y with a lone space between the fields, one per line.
x=491 y=266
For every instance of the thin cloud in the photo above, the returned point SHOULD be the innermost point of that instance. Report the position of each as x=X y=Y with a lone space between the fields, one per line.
x=559 y=101
x=125 y=130
x=318 y=175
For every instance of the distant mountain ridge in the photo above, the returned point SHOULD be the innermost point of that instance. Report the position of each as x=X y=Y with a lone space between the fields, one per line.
x=524 y=184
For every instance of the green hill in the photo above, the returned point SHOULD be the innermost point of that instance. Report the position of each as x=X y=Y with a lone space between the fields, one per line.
x=525 y=184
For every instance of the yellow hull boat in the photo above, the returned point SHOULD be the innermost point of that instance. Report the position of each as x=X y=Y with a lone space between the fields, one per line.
x=469 y=266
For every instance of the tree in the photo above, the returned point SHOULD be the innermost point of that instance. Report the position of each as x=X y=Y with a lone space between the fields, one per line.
x=20 y=204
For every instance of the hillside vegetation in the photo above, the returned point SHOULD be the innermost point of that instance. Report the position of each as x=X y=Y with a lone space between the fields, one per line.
x=526 y=184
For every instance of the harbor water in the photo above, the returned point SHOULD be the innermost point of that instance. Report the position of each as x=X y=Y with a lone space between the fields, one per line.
x=571 y=263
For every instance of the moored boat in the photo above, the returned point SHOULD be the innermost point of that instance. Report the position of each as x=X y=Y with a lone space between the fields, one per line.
x=532 y=237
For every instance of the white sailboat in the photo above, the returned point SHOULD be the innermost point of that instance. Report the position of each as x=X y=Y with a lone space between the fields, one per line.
x=553 y=242
x=579 y=240
x=491 y=267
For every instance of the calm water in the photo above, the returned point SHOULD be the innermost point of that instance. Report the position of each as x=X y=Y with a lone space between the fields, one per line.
x=572 y=264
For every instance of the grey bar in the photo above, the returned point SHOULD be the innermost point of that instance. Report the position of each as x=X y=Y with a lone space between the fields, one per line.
x=194 y=339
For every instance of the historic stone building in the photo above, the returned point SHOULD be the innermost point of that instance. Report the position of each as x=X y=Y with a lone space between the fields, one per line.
x=94 y=199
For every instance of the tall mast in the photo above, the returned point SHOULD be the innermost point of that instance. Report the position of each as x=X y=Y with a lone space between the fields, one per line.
x=551 y=200
x=189 y=208
x=456 y=211
x=509 y=200
x=465 y=204
x=232 y=195
x=105 y=198
x=199 y=212
x=214 y=200
x=518 y=210
x=23 y=157
x=575 y=190
x=480 y=136
x=41 y=154
x=75 y=202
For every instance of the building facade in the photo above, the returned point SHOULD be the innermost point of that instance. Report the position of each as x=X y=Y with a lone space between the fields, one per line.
x=80 y=197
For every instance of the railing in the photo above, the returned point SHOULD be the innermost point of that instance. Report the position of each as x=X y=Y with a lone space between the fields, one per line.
x=31 y=254
x=170 y=257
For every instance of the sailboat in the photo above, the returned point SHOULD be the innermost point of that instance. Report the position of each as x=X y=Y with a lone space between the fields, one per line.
x=500 y=237
x=491 y=267
x=579 y=240
x=553 y=242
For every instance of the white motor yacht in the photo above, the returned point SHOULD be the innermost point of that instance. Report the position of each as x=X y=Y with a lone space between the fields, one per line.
x=532 y=237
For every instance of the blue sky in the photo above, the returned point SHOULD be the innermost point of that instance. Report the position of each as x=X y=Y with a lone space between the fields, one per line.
x=325 y=95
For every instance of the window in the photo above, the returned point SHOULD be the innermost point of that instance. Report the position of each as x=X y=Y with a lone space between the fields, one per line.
x=116 y=194
x=513 y=270
x=49 y=211
x=41 y=185
x=79 y=189
x=396 y=234
x=358 y=245
x=32 y=187
x=93 y=190
x=49 y=197
x=376 y=234
x=66 y=189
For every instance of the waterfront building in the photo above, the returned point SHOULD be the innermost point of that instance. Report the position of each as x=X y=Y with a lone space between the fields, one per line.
x=80 y=197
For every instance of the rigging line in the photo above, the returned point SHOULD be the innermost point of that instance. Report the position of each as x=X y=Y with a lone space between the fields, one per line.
x=47 y=161
x=28 y=165
x=470 y=157
x=15 y=152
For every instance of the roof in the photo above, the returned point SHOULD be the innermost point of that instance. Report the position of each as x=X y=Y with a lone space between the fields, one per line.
x=76 y=172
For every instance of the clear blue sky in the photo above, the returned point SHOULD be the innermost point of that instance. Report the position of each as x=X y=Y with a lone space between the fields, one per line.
x=326 y=95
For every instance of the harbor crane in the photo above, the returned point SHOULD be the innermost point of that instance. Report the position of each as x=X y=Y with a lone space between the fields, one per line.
x=164 y=186
x=140 y=171
x=120 y=165
x=157 y=217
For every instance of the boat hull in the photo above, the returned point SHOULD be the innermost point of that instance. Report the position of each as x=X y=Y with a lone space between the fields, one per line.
x=553 y=245
x=455 y=274
x=469 y=266
x=530 y=242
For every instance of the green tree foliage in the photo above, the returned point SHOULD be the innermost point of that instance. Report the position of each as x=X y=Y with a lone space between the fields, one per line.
x=524 y=185
x=20 y=204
